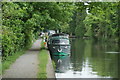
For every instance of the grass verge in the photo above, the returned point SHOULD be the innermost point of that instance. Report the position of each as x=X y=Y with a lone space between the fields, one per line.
x=11 y=59
x=43 y=58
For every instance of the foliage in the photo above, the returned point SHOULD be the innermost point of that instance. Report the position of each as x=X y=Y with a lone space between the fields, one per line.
x=102 y=20
x=22 y=22
x=13 y=38
x=98 y=20
x=77 y=25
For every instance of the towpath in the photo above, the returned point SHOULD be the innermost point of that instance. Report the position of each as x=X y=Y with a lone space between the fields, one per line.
x=26 y=66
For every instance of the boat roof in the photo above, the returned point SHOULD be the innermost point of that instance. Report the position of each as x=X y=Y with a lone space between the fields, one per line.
x=59 y=34
x=59 y=37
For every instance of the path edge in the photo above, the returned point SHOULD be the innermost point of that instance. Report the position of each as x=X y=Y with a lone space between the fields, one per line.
x=49 y=69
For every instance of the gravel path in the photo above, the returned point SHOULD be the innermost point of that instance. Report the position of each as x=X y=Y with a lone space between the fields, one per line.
x=26 y=66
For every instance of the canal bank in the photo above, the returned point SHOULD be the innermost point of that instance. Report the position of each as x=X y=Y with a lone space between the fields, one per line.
x=26 y=66
x=50 y=69
x=45 y=66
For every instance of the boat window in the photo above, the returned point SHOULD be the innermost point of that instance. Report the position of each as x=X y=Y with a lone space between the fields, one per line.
x=56 y=41
x=60 y=41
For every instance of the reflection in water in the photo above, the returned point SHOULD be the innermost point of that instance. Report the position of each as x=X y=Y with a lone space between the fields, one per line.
x=0 y=67
x=62 y=63
x=89 y=59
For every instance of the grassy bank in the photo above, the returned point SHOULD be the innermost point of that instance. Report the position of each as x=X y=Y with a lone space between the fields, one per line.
x=11 y=59
x=43 y=58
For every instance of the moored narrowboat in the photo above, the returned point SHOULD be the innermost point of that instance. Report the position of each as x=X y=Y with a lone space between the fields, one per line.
x=59 y=44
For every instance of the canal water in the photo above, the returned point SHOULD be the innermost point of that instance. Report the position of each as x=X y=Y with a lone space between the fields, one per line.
x=89 y=59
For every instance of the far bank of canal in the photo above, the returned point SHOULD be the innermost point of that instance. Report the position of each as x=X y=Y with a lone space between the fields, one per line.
x=89 y=59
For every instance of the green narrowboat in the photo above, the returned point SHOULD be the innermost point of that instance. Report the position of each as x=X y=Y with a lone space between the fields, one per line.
x=59 y=44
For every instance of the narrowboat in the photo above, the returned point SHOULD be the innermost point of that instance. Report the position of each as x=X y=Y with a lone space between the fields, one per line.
x=59 y=44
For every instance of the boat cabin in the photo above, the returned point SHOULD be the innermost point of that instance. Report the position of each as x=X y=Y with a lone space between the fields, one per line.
x=59 y=44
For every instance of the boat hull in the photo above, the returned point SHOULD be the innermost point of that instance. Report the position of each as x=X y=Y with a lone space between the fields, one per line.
x=59 y=50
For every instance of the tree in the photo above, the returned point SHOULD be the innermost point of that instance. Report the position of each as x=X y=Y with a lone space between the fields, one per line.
x=77 y=25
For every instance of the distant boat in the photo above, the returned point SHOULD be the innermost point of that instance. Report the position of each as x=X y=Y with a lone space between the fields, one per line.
x=51 y=32
x=62 y=35
x=112 y=52
x=59 y=44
